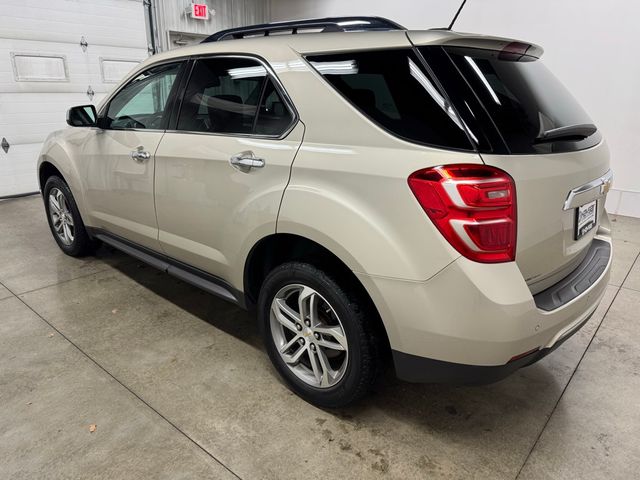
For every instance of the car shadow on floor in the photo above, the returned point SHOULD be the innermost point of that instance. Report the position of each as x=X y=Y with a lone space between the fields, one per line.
x=520 y=402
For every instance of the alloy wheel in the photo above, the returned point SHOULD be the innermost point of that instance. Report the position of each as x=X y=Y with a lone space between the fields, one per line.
x=309 y=336
x=61 y=217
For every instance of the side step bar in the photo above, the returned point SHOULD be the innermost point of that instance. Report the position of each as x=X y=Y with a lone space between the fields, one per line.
x=203 y=280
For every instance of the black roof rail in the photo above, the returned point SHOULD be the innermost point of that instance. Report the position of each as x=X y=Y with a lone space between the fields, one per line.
x=328 y=24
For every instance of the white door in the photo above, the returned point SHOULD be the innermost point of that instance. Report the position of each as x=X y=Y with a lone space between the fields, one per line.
x=55 y=54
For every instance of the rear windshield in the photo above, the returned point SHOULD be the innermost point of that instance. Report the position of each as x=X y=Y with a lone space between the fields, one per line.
x=523 y=99
x=393 y=89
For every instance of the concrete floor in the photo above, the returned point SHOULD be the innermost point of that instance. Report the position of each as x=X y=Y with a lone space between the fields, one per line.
x=178 y=386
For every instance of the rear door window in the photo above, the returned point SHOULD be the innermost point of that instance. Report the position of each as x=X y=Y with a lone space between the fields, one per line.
x=394 y=90
x=274 y=117
x=231 y=95
x=524 y=99
x=222 y=96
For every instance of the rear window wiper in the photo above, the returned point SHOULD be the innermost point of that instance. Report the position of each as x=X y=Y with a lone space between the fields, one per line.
x=571 y=132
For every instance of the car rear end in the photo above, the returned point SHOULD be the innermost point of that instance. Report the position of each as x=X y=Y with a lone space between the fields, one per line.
x=528 y=225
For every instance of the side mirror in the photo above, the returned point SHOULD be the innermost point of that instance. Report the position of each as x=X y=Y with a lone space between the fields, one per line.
x=82 y=116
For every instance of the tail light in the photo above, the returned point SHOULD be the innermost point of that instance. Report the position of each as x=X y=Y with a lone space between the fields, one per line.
x=473 y=206
x=514 y=51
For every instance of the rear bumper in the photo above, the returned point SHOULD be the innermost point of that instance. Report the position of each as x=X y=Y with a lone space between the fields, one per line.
x=412 y=368
x=579 y=280
x=473 y=322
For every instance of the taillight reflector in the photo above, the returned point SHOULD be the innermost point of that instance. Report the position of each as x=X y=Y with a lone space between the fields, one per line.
x=473 y=206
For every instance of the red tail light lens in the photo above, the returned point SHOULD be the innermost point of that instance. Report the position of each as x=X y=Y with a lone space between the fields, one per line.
x=473 y=206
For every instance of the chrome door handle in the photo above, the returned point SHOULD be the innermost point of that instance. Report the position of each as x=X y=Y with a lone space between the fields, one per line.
x=140 y=155
x=245 y=161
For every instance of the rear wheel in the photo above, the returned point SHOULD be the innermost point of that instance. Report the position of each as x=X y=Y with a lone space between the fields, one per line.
x=317 y=335
x=64 y=219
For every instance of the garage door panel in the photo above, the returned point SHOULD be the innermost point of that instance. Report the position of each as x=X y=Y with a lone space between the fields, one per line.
x=42 y=118
x=53 y=47
x=36 y=103
x=17 y=169
x=34 y=106
x=113 y=22
x=46 y=101
x=80 y=87
x=37 y=135
x=11 y=124
x=83 y=68
x=122 y=40
x=13 y=102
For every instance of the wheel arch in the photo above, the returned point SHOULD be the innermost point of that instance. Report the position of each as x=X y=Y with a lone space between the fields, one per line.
x=279 y=248
x=57 y=158
x=46 y=170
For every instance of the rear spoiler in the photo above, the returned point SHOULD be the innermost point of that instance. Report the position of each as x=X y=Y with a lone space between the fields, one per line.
x=508 y=48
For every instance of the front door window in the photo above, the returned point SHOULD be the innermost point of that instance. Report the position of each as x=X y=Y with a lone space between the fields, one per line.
x=142 y=103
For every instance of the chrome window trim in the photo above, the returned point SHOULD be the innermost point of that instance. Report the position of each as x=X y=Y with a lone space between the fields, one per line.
x=237 y=135
x=150 y=130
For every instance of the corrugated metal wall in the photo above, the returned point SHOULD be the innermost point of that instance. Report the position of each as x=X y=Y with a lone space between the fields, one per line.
x=174 y=16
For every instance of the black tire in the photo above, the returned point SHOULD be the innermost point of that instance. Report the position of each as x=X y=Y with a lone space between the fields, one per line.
x=82 y=244
x=361 y=368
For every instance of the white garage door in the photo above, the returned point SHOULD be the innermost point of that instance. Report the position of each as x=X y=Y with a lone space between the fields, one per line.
x=55 y=54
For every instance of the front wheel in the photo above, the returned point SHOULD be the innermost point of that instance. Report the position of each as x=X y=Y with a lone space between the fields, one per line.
x=318 y=335
x=64 y=219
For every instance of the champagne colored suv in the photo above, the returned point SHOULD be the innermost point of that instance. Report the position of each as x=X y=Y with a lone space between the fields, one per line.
x=430 y=198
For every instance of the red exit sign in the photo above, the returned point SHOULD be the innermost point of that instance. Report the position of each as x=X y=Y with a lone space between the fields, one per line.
x=200 y=11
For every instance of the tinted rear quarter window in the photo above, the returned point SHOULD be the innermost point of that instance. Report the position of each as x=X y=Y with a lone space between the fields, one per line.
x=392 y=88
x=523 y=98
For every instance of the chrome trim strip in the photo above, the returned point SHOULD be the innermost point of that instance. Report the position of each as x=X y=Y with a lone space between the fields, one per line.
x=589 y=191
x=225 y=134
x=150 y=130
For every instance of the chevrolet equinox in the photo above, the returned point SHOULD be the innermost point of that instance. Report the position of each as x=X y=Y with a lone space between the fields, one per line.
x=364 y=188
